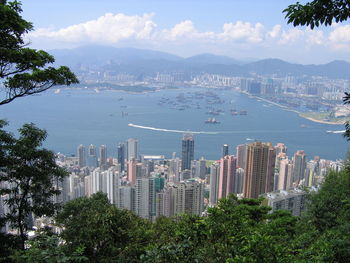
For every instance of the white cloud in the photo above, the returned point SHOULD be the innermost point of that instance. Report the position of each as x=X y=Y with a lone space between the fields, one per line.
x=291 y=36
x=275 y=32
x=243 y=31
x=315 y=37
x=240 y=37
x=108 y=28
x=185 y=30
x=340 y=37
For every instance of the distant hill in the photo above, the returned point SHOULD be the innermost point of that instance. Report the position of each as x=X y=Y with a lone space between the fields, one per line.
x=143 y=62
x=213 y=59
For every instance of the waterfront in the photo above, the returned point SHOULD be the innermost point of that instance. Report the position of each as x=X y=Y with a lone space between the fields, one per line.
x=74 y=117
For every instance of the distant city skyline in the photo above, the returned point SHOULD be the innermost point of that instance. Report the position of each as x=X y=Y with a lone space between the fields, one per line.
x=240 y=29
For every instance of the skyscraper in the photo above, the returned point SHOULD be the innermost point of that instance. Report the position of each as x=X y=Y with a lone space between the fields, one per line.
x=103 y=156
x=227 y=176
x=241 y=155
x=132 y=148
x=214 y=183
x=81 y=152
x=224 y=150
x=131 y=172
x=201 y=168
x=187 y=151
x=259 y=169
x=92 y=157
x=299 y=166
x=145 y=198
x=121 y=156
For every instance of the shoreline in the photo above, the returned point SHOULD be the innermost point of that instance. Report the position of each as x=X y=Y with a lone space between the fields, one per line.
x=298 y=112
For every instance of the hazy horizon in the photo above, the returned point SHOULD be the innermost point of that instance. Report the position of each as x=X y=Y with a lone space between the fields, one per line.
x=237 y=29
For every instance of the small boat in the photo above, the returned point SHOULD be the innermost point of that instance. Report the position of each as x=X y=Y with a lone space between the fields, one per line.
x=212 y=121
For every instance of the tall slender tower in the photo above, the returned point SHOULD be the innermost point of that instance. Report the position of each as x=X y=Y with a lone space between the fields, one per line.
x=227 y=175
x=241 y=152
x=224 y=150
x=132 y=148
x=259 y=169
x=81 y=152
x=299 y=166
x=92 y=157
x=187 y=151
x=214 y=183
x=131 y=173
x=121 y=156
x=103 y=155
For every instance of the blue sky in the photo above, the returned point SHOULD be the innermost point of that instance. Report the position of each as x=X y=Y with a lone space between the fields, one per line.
x=236 y=28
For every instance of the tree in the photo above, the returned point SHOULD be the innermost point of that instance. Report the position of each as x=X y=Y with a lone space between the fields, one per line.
x=106 y=233
x=24 y=71
x=321 y=12
x=48 y=248
x=27 y=175
x=234 y=231
x=318 y=12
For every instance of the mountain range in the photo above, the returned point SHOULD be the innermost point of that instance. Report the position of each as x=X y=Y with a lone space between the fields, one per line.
x=149 y=62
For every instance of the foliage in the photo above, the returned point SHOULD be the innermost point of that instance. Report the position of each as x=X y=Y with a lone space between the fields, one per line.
x=48 y=248
x=329 y=207
x=108 y=234
x=237 y=230
x=318 y=12
x=27 y=173
x=234 y=231
x=25 y=71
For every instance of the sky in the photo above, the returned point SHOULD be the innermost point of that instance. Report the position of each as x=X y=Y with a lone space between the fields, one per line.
x=242 y=29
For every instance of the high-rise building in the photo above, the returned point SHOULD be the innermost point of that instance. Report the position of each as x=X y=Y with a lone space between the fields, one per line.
x=224 y=150
x=81 y=152
x=187 y=151
x=238 y=185
x=127 y=198
x=200 y=168
x=121 y=156
x=227 y=175
x=131 y=171
x=110 y=182
x=132 y=149
x=145 y=198
x=92 y=157
x=96 y=181
x=241 y=155
x=214 y=183
x=299 y=166
x=281 y=148
x=284 y=175
x=103 y=157
x=259 y=169
x=174 y=169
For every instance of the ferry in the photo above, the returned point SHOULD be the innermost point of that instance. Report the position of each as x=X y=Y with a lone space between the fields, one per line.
x=212 y=121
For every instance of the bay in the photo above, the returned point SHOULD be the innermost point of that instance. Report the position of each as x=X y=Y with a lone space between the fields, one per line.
x=74 y=117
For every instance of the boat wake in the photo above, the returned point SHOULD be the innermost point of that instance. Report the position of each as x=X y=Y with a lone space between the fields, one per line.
x=336 y=131
x=209 y=132
x=167 y=130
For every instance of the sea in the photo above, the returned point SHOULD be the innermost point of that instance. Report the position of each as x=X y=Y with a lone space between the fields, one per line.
x=158 y=120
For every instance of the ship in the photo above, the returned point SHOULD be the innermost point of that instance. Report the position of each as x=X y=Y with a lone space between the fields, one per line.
x=243 y=112
x=212 y=121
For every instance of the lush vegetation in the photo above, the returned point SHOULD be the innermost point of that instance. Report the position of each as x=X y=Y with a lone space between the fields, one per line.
x=234 y=231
